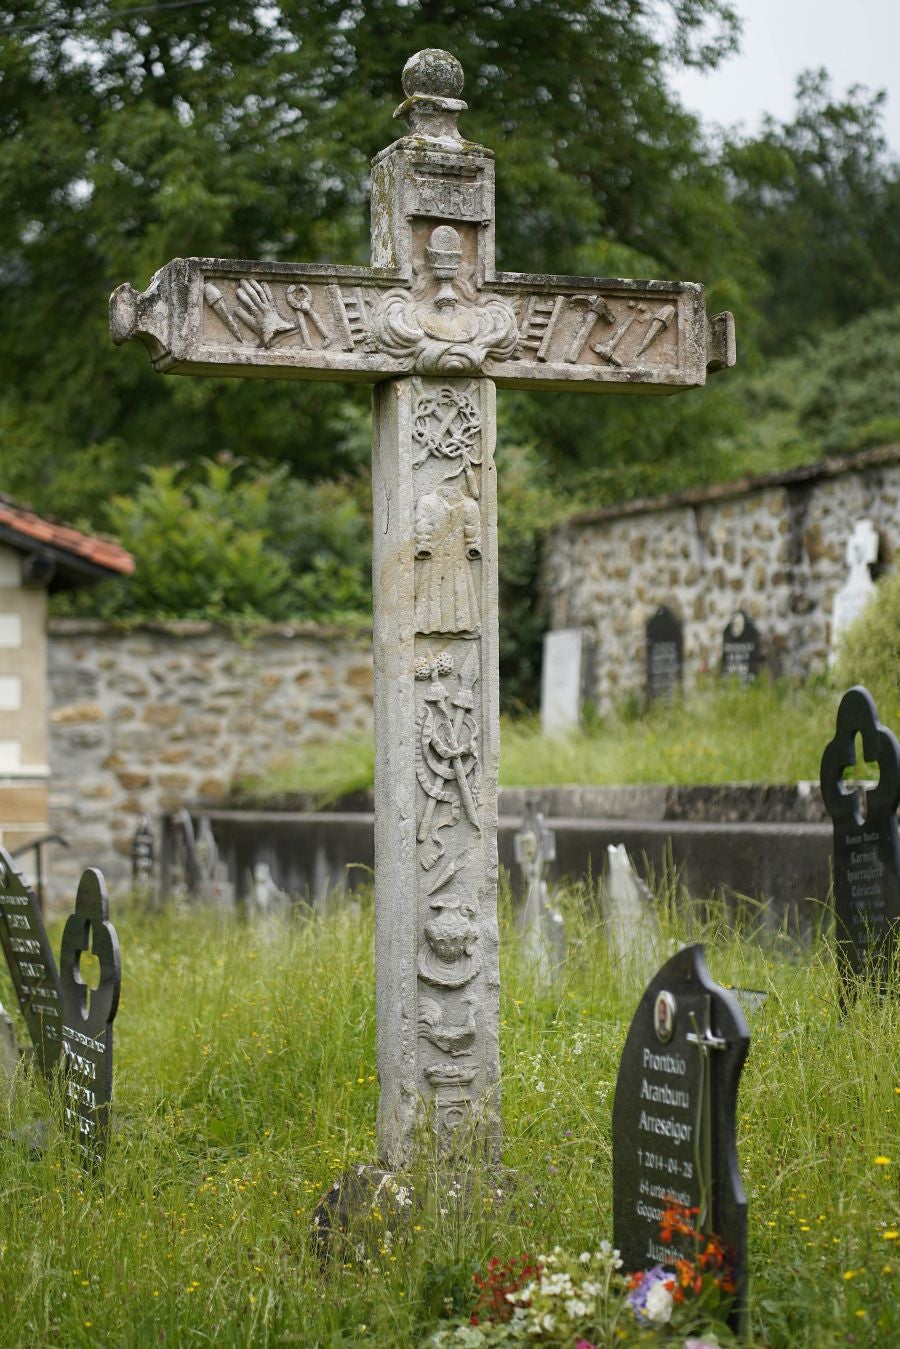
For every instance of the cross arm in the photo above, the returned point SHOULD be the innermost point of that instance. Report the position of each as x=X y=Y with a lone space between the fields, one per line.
x=611 y=335
x=215 y=316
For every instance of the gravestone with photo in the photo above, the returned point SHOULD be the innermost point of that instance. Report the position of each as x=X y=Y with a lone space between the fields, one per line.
x=88 y=1012
x=31 y=964
x=565 y=675
x=742 y=656
x=664 y=654
x=866 y=847
x=674 y=1120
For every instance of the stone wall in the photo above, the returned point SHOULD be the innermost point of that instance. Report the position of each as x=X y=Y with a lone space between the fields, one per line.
x=147 y=719
x=773 y=546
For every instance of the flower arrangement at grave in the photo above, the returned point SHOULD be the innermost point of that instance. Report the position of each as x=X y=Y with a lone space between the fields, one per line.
x=585 y=1301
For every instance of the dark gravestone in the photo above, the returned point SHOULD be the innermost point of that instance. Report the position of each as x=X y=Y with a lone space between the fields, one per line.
x=143 y=855
x=31 y=964
x=88 y=1015
x=741 y=649
x=665 y=645
x=674 y=1120
x=866 y=848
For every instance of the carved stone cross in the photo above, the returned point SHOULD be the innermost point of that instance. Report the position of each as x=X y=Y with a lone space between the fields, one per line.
x=435 y=328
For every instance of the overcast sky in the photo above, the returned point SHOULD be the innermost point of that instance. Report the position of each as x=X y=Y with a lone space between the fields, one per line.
x=857 y=41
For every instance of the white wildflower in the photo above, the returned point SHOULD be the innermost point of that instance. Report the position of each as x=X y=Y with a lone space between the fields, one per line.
x=658 y=1306
x=584 y=1258
x=540 y=1087
x=576 y=1308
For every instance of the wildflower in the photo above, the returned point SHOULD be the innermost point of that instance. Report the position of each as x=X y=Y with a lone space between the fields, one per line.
x=891 y=1236
x=584 y=1258
x=539 y=1086
x=651 y=1295
x=882 y=1161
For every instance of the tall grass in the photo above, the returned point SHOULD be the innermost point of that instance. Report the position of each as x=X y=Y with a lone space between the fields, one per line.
x=245 y=1083
x=770 y=732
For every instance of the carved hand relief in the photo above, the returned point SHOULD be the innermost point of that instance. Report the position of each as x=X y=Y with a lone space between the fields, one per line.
x=312 y=317
x=448 y=769
x=453 y=331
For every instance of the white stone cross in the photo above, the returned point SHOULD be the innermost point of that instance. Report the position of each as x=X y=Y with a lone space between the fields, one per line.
x=858 y=589
x=435 y=328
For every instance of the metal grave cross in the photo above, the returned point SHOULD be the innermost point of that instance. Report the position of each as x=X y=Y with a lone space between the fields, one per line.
x=435 y=328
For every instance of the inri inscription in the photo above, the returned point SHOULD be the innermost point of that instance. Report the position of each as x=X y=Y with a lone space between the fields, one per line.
x=866 y=848
x=674 y=1119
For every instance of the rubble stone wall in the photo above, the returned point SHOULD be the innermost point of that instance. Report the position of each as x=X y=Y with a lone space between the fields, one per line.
x=774 y=547
x=142 y=721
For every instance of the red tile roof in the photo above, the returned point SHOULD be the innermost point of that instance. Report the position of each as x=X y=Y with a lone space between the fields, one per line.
x=98 y=552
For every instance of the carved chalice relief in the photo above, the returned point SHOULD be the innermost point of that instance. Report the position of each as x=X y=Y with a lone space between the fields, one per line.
x=442 y=335
x=449 y=958
x=448 y=540
x=447 y=762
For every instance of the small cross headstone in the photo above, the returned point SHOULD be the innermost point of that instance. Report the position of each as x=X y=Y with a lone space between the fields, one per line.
x=741 y=649
x=858 y=589
x=143 y=855
x=213 y=884
x=181 y=866
x=630 y=921
x=88 y=1014
x=564 y=678
x=436 y=329
x=31 y=964
x=674 y=1119
x=542 y=926
x=665 y=646
x=866 y=847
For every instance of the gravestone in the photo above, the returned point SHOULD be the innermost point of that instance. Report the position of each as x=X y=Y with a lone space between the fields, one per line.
x=31 y=964
x=542 y=927
x=664 y=654
x=858 y=589
x=435 y=328
x=88 y=1014
x=674 y=1120
x=741 y=649
x=212 y=882
x=564 y=679
x=866 y=848
x=629 y=916
x=143 y=856
x=181 y=866
x=9 y=1056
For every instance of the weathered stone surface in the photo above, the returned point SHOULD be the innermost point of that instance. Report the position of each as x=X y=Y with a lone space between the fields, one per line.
x=126 y=756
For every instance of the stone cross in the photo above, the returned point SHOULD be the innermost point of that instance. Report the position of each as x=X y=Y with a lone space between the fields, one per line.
x=858 y=589
x=543 y=929
x=435 y=328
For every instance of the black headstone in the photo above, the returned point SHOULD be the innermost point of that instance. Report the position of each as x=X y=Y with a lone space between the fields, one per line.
x=665 y=646
x=866 y=848
x=674 y=1120
x=31 y=964
x=741 y=649
x=143 y=853
x=88 y=1015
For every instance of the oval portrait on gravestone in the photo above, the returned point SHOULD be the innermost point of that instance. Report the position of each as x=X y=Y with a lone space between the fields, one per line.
x=664 y=1019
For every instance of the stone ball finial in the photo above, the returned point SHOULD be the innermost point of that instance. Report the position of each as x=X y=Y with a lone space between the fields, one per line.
x=433 y=72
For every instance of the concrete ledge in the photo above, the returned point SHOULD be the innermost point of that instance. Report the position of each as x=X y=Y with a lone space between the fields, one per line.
x=785 y=865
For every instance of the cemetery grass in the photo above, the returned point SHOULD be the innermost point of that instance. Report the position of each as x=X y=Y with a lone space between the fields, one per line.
x=772 y=732
x=245 y=1084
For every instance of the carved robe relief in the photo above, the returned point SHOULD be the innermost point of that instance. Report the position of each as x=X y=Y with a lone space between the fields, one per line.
x=448 y=538
x=455 y=330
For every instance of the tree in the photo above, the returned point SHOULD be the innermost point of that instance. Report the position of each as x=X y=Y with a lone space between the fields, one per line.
x=133 y=133
x=819 y=199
